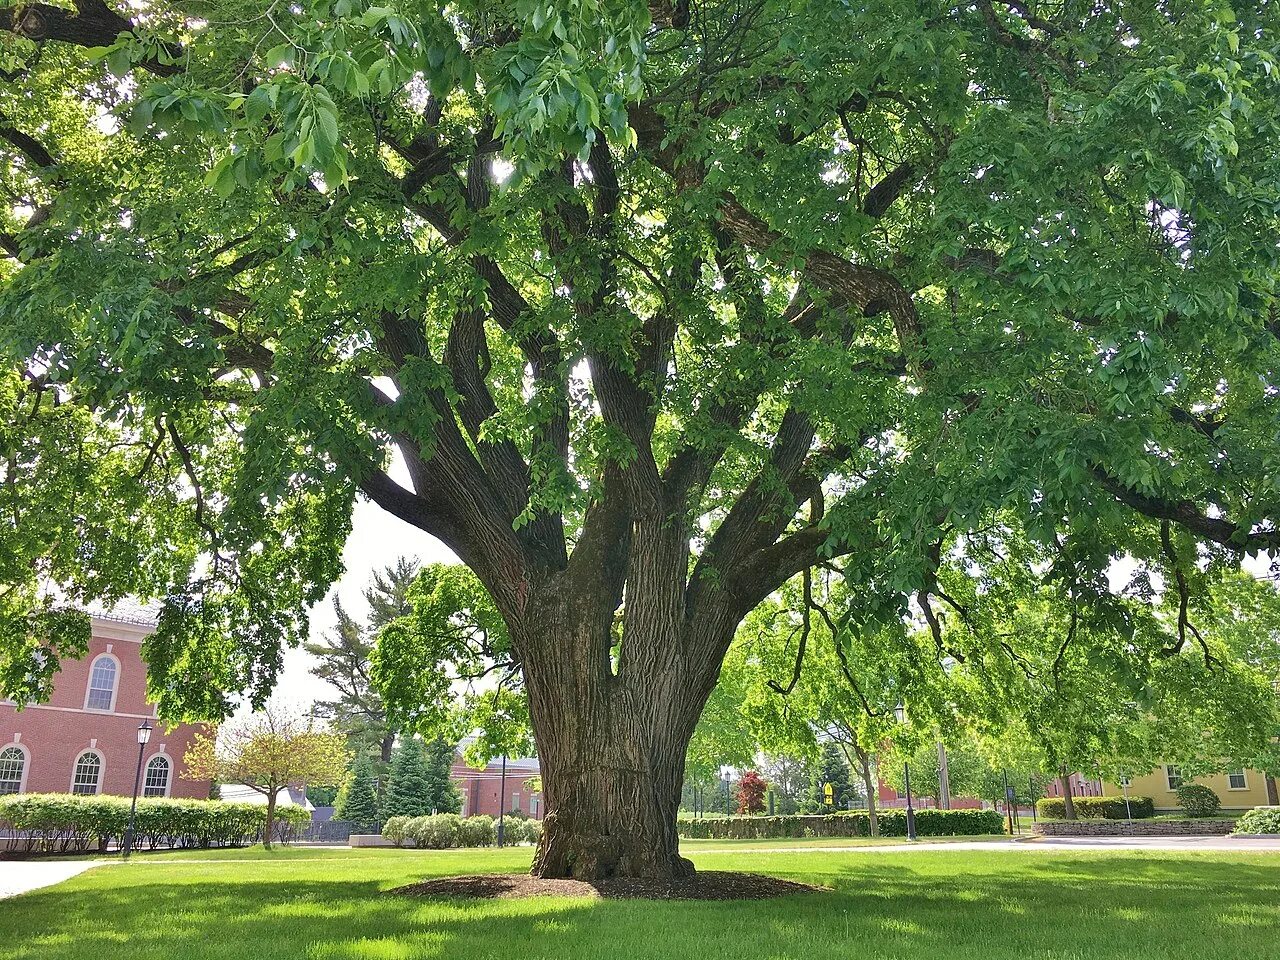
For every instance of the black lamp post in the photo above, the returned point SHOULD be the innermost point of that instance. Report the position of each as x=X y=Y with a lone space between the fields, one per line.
x=144 y=735
x=900 y=712
x=502 y=800
x=727 y=774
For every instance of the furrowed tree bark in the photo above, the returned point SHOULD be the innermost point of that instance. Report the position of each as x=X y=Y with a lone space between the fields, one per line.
x=611 y=751
x=1068 y=804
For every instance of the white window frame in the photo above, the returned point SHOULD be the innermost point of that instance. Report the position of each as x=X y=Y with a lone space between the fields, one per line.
x=1244 y=779
x=168 y=776
x=26 y=763
x=102 y=771
x=115 y=683
x=1171 y=772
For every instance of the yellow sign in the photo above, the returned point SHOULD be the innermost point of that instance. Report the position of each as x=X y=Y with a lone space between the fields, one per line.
x=828 y=792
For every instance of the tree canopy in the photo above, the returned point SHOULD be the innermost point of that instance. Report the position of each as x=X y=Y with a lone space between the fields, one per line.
x=267 y=752
x=642 y=310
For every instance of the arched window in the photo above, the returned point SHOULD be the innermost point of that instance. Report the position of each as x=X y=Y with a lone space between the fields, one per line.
x=157 y=782
x=13 y=767
x=88 y=774
x=102 y=684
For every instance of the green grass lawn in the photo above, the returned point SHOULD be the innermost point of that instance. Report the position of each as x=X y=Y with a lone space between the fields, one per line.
x=931 y=905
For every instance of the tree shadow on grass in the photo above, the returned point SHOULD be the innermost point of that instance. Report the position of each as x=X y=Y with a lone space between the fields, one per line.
x=1102 y=909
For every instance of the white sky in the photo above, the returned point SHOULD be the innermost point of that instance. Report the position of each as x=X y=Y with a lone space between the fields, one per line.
x=377 y=540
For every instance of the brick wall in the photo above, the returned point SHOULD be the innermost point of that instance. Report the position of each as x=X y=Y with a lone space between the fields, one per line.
x=53 y=735
x=1136 y=828
x=480 y=788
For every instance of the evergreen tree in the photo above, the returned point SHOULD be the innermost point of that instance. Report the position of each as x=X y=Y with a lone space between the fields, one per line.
x=832 y=769
x=356 y=801
x=410 y=791
x=444 y=792
x=342 y=661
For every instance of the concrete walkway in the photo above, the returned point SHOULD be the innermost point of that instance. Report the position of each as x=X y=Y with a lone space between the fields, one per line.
x=23 y=876
x=1041 y=845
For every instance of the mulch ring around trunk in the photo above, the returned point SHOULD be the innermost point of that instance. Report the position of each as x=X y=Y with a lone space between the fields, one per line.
x=704 y=885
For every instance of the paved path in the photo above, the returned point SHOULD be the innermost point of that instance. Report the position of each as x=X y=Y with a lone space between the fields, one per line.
x=1044 y=845
x=23 y=876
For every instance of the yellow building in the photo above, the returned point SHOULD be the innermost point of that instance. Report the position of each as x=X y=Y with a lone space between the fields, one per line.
x=1238 y=789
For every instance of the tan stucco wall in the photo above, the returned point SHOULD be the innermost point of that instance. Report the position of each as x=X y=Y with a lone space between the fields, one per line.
x=1156 y=786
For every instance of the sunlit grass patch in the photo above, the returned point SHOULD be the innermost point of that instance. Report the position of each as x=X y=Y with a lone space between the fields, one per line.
x=935 y=904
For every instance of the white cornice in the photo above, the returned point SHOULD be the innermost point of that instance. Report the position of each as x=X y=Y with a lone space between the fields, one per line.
x=107 y=629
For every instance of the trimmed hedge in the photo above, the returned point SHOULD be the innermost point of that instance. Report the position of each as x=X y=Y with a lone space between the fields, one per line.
x=1097 y=808
x=893 y=823
x=1259 y=820
x=67 y=823
x=445 y=831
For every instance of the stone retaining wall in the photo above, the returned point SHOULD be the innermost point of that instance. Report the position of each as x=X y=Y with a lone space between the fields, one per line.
x=1135 y=828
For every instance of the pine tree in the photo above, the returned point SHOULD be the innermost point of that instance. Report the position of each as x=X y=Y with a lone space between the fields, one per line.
x=342 y=661
x=410 y=791
x=832 y=769
x=444 y=792
x=357 y=802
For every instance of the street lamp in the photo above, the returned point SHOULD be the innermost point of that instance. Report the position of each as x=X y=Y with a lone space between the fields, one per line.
x=900 y=712
x=502 y=800
x=144 y=736
x=727 y=774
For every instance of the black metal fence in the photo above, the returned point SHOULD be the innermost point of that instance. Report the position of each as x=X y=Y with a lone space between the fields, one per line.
x=329 y=831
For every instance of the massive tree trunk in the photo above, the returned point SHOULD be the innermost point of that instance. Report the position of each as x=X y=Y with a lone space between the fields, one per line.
x=612 y=731
x=611 y=799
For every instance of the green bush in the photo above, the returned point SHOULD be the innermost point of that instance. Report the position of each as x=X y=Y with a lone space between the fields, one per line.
x=437 y=832
x=523 y=830
x=64 y=822
x=893 y=823
x=394 y=830
x=477 y=831
x=1198 y=800
x=1097 y=808
x=446 y=830
x=1259 y=820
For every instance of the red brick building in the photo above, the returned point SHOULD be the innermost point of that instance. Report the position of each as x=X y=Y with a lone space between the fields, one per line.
x=481 y=789
x=85 y=738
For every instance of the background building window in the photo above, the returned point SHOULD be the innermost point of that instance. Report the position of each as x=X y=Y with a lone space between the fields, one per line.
x=1174 y=776
x=1236 y=780
x=88 y=775
x=157 y=782
x=102 y=685
x=13 y=763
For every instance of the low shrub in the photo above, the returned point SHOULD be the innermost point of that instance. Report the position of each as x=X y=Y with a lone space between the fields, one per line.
x=478 y=831
x=856 y=823
x=1097 y=808
x=447 y=830
x=65 y=823
x=522 y=830
x=1259 y=820
x=439 y=831
x=1198 y=800
x=394 y=830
